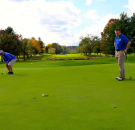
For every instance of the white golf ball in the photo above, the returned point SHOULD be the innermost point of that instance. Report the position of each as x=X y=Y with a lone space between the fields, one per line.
x=43 y=95
x=31 y=63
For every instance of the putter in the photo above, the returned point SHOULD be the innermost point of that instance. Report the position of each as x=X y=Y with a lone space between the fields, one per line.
x=128 y=67
x=3 y=71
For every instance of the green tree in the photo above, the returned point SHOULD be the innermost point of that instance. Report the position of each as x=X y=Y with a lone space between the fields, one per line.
x=42 y=45
x=57 y=47
x=96 y=45
x=9 y=30
x=85 y=46
x=25 y=47
x=46 y=49
x=64 y=49
x=133 y=33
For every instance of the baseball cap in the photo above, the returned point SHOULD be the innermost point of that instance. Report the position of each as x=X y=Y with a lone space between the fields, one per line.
x=1 y=51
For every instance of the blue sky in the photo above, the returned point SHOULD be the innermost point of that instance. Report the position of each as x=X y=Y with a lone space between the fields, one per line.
x=61 y=21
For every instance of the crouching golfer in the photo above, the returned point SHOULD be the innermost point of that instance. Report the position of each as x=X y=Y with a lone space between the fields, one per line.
x=9 y=60
x=121 y=43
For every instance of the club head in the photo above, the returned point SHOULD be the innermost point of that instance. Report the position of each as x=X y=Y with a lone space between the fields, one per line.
x=2 y=73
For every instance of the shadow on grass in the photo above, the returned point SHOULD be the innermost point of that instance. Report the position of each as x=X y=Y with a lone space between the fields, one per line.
x=128 y=80
x=20 y=75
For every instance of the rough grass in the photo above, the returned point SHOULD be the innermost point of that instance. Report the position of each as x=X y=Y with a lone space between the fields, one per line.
x=82 y=96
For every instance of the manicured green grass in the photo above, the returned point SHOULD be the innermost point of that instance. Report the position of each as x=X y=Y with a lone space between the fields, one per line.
x=71 y=56
x=82 y=96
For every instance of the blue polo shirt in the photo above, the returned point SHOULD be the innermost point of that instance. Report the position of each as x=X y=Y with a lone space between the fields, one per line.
x=7 y=57
x=121 y=42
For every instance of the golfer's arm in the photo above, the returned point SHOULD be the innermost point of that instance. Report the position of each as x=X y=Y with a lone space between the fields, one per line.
x=114 y=45
x=128 y=45
x=4 y=60
x=8 y=58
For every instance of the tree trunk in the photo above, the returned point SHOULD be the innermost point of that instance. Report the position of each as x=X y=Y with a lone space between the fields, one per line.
x=24 y=55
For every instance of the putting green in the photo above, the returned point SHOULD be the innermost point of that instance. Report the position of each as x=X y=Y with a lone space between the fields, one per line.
x=82 y=96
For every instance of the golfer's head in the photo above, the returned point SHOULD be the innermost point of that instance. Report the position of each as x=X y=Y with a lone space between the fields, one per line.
x=118 y=32
x=1 y=52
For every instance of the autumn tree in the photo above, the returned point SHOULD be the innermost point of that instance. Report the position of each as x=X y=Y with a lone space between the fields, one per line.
x=10 y=42
x=36 y=46
x=107 y=37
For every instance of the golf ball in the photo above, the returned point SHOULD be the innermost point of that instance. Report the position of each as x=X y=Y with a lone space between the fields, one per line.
x=43 y=95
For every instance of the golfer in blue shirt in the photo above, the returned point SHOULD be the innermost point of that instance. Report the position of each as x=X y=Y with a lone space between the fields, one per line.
x=9 y=60
x=121 y=43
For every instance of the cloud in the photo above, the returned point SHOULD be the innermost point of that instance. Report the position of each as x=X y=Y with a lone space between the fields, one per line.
x=19 y=0
x=91 y=14
x=88 y=2
x=49 y=20
x=131 y=5
x=98 y=26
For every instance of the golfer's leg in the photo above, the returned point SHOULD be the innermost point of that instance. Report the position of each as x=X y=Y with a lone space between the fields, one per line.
x=123 y=66
x=10 y=68
x=116 y=56
x=121 y=61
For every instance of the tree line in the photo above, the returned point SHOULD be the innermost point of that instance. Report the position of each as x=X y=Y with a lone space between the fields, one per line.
x=55 y=48
x=93 y=44
x=17 y=45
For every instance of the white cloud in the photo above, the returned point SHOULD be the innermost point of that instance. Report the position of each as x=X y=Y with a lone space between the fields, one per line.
x=98 y=26
x=34 y=18
x=131 y=5
x=88 y=2
x=91 y=14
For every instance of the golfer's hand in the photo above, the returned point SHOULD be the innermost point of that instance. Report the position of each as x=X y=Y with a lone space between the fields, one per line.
x=6 y=64
x=125 y=51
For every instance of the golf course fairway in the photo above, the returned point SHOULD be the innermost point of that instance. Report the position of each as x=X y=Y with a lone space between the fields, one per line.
x=83 y=95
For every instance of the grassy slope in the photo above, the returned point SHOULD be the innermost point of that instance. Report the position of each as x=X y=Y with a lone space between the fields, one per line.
x=81 y=96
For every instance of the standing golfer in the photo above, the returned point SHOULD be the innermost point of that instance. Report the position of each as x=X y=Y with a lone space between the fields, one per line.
x=9 y=60
x=121 y=43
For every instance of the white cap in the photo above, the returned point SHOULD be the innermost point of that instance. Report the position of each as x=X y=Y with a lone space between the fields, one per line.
x=1 y=51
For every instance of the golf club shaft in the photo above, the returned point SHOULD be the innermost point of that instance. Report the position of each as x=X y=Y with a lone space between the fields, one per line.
x=128 y=67
x=4 y=70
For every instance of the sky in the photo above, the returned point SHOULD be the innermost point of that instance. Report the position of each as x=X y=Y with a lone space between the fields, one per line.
x=61 y=21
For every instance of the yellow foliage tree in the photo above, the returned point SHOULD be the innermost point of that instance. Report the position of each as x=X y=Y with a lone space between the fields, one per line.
x=36 y=45
x=52 y=50
x=49 y=45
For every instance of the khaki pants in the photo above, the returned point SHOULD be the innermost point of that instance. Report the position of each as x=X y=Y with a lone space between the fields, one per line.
x=120 y=58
